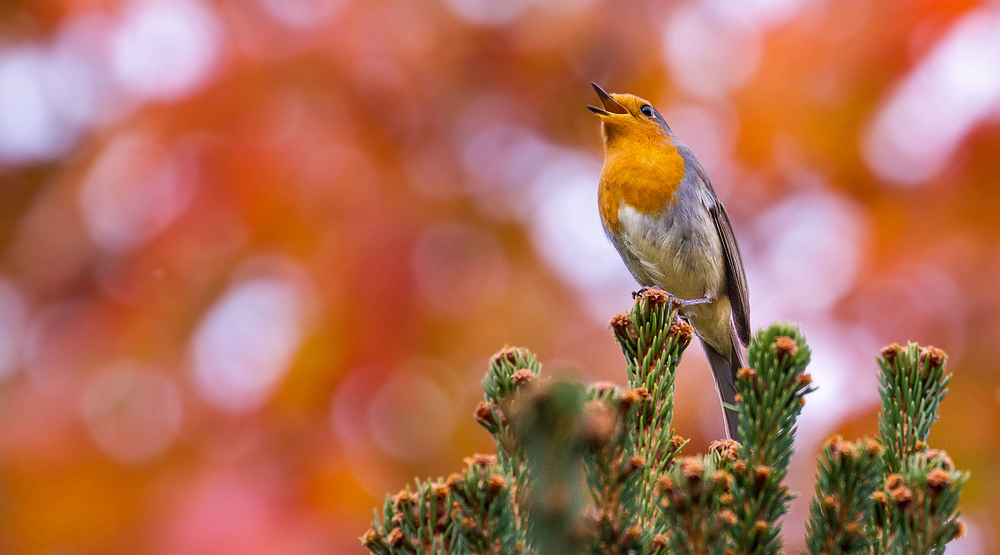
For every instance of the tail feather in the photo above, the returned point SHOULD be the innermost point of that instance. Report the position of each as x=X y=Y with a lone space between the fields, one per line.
x=724 y=369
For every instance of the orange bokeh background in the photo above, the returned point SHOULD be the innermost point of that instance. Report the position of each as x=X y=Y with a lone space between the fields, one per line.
x=255 y=254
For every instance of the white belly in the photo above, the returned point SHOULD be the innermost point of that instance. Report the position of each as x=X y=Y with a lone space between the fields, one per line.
x=683 y=256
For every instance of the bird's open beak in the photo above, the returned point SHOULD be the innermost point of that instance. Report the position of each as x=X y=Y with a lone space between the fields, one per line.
x=611 y=106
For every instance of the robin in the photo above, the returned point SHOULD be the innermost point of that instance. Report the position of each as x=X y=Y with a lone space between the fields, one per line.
x=660 y=212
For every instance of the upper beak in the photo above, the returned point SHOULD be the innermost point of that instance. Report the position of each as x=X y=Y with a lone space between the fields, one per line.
x=611 y=106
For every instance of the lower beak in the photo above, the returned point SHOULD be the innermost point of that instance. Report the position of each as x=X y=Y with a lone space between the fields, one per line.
x=598 y=111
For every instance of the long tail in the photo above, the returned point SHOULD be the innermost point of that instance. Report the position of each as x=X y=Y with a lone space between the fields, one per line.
x=725 y=370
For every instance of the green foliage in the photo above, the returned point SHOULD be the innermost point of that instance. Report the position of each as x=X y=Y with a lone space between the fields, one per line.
x=771 y=394
x=696 y=503
x=912 y=384
x=848 y=475
x=652 y=339
x=596 y=470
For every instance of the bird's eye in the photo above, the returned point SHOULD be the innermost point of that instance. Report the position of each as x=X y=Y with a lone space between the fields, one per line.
x=647 y=110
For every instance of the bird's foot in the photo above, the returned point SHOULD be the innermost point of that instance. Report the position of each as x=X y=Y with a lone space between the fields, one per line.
x=674 y=299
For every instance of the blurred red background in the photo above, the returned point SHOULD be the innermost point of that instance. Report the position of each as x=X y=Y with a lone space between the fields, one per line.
x=255 y=254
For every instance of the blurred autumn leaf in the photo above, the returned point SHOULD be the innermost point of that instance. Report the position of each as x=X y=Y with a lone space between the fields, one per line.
x=255 y=254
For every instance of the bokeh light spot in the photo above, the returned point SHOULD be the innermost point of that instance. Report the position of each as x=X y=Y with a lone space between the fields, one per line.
x=707 y=57
x=164 y=50
x=302 y=13
x=488 y=12
x=955 y=87
x=567 y=230
x=133 y=413
x=30 y=126
x=814 y=243
x=411 y=416
x=134 y=190
x=245 y=344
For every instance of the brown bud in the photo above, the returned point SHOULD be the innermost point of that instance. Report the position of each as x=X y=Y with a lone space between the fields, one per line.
x=880 y=498
x=893 y=481
x=629 y=398
x=440 y=490
x=682 y=331
x=746 y=373
x=919 y=445
x=633 y=463
x=692 y=468
x=785 y=346
x=665 y=484
x=933 y=354
x=890 y=352
x=761 y=475
x=728 y=517
x=738 y=397
x=523 y=376
x=829 y=502
x=962 y=529
x=508 y=353
x=479 y=459
x=631 y=535
x=726 y=498
x=654 y=296
x=940 y=456
x=454 y=481
x=760 y=526
x=622 y=325
x=803 y=379
x=726 y=448
x=496 y=483
x=901 y=496
x=938 y=478
x=722 y=478
x=397 y=520
x=484 y=414
x=598 y=423
x=643 y=393
x=872 y=447
x=740 y=466
x=396 y=537
x=371 y=538
x=853 y=530
x=676 y=442
x=660 y=541
x=402 y=499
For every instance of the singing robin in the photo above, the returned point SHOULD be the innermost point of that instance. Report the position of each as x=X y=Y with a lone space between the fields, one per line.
x=662 y=215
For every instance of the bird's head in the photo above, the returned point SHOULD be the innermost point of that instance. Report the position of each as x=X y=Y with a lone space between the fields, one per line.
x=630 y=118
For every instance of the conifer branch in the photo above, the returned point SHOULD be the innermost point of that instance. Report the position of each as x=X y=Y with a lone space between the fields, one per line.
x=848 y=475
x=771 y=394
x=652 y=339
x=912 y=384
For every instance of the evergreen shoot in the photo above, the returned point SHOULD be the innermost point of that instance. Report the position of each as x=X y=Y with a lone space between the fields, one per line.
x=597 y=469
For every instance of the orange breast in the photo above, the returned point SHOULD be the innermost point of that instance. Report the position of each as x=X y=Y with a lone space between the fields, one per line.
x=642 y=175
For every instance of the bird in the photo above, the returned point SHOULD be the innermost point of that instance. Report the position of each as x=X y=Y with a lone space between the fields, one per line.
x=661 y=214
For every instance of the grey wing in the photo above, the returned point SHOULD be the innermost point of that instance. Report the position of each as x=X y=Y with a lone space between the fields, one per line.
x=736 y=277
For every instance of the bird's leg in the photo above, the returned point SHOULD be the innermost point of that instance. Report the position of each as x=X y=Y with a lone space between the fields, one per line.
x=674 y=298
x=690 y=302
